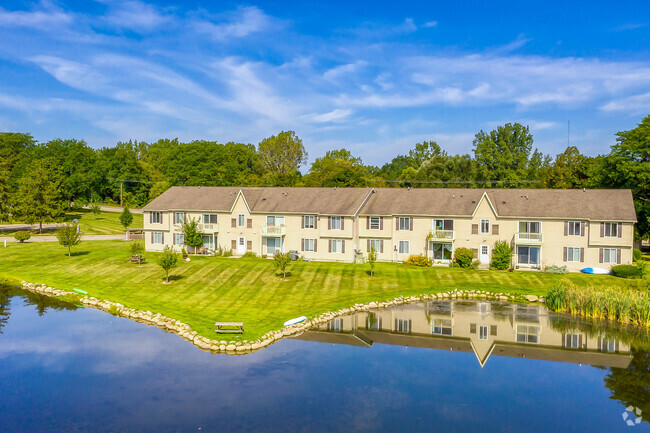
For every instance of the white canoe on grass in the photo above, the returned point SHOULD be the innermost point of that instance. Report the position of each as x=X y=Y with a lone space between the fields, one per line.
x=595 y=271
x=294 y=321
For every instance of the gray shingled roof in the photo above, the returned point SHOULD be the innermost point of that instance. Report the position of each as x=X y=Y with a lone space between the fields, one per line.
x=595 y=204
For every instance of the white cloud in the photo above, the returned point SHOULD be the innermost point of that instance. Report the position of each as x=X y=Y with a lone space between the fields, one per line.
x=46 y=16
x=638 y=104
x=336 y=115
x=241 y=23
x=430 y=24
x=136 y=16
x=339 y=71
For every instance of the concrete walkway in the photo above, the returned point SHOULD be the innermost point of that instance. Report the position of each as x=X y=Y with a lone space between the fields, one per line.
x=27 y=227
x=54 y=239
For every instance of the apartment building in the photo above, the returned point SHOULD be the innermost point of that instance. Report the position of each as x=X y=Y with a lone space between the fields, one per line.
x=576 y=228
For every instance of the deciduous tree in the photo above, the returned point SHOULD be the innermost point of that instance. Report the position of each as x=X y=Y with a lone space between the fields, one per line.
x=68 y=235
x=280 y=158
x=40 y=193
x=167 y=261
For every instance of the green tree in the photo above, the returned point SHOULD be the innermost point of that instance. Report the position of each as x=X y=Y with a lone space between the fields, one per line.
x=68 y=235
x=337 y=168
x=280 y=158
x=126 y=218
x=281 y=263
x=505 y=156
x=14 y=149
x=167 y=260
x=22 y=236
x=96 y=209
x=372 y=260
x=192 y=234
x=570 y=169
x=628 y=166
x=501 y=255
x=40 y=193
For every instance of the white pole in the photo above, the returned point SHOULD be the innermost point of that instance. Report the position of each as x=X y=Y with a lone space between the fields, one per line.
x=5 y=243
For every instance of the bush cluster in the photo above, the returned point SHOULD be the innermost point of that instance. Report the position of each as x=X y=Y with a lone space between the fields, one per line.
x=22 y=236
x=418 y=260
x=464 y=257
x=627 y=271
x=637 y=254
x=249 y=254
x=558 y=270
x=501 y=256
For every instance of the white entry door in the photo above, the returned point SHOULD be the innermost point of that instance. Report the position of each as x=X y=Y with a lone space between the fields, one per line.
x=484 y=254
x=241 y=245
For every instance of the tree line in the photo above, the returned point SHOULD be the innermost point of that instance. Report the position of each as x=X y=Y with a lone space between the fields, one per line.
x=38 y=181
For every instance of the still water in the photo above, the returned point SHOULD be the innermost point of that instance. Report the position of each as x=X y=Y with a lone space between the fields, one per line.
x=437 y=366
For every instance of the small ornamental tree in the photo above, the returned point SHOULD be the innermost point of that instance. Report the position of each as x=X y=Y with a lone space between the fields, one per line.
x=22 y=236
x=126 y=218
x=167 y=260
x=95 y=209
x=372 y=259
x=68 y=235
x=501 y=256
x=192 y=235
x=281 y=263
x=464 y=257
x=137 y=248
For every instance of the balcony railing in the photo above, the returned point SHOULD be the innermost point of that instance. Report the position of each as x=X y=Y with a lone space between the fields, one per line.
x=443 y=234
x=209 y=228
x=273 y=230
x=530 y=238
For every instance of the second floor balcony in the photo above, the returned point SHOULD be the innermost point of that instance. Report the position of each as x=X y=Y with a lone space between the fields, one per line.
x=209 y=228
x=270 y=230
x=528 y=238
x=437 y=234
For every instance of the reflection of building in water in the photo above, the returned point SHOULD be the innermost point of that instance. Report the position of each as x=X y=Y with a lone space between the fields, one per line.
x=485 y=328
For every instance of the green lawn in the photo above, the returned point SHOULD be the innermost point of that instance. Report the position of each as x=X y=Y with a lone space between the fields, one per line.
x=211 y=289
x=106 y=223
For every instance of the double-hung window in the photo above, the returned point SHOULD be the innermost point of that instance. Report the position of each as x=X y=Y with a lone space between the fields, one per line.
x=309 y=245
x=441 y=327
x=572 y=341
x=335 y=223
x=404 y=223
x=156 y=237
x=575 y=228
x=610 y=255
x=241 y=220
x=485 y=226
x=156 y=217
x=573 y=254
x=337 y=245
x=375 y=223
x=483 y=332
x=404 y=247
x=209 y=218
x=403 y=325
x=274 y=220
x=610 y=230
x=375 y=244
x=530 y=227
x=179 y=238
x=179 y=218
x=527 y=333
x=309 y=221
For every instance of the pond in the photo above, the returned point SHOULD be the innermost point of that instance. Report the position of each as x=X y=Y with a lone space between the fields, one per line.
x=460 y=366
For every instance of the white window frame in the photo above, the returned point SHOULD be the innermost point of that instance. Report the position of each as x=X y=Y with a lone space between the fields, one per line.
x=483 y=308
x=375 y=223
x=528 y=331
x=376 y=244
x=611 y=228
x=176 y=214
x=571 y=254
x=278 y=220
x=404 y=247
x=572 y=341
x=404 y=223
x=539 y=256
x=483 y=332
x=309 y=245
x=209 y=219
x=335 y=325
x=179 y=238
x=575 y=227
x=241 y=220
x=607 y=255
x=335 y=223
x=442 y=327
x=435 y=222
x=607 y=345
x=528 y=225
x=309 y=221
x=337 y=246
x=442 y=250
x=485 y=226
x=157 y=238
x=403 y=326
x=156 y=218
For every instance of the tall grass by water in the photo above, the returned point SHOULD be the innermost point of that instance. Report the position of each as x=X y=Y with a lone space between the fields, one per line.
x=629 y=304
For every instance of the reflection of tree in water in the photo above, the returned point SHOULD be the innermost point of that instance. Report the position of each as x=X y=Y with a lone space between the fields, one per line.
x=41 y=302
x=631 y=385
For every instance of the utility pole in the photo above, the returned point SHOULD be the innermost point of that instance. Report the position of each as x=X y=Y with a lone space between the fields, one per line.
x=121 y=188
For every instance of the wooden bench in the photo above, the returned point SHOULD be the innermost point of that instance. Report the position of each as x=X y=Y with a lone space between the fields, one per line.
x=137 y=259
x=230 y=327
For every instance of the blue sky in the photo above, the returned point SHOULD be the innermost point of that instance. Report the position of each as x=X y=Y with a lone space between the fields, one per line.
x=374 y=77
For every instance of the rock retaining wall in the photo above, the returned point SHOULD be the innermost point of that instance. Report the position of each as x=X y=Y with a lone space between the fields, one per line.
x=243 y=347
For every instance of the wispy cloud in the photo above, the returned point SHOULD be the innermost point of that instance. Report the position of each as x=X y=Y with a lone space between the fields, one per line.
x=637 y=104
x=629 y=26
x=238 y=24
x=136 y=16
x=45 y=15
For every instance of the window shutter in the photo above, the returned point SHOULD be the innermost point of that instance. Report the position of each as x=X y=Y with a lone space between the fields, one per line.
x=302 y=243
x=249 y=245
x=343 y=246
x=472 y=328
x=474 y=229
x=368 y=245
x=495 y=229
x=602 y=230
x=618 y=256
x=395 y=325
x=316 y=217
x=329 y=243
x=150 y=217
x=249 y=223
x=582 y=255
x=152 y=237
x=302 y=225
x=619 y=230
x=566 y=228
x=381 y=246
x=411 y=223
x=367 y=223
x=397 y=223
x=163 y=237
x=582 y=228
x=600 y=255
x=315 y=245
x=493 y=330
x=565 y=253
x=233 y=244
x=410 y=325
x=342 y=223
x=233 y=222
x=174 y=239
x=329 y=225
x=381 y=223
x=475 y=253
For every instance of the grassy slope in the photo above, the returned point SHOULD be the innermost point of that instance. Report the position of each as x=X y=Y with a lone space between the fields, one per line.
x=106 y=223
x=213 y=289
